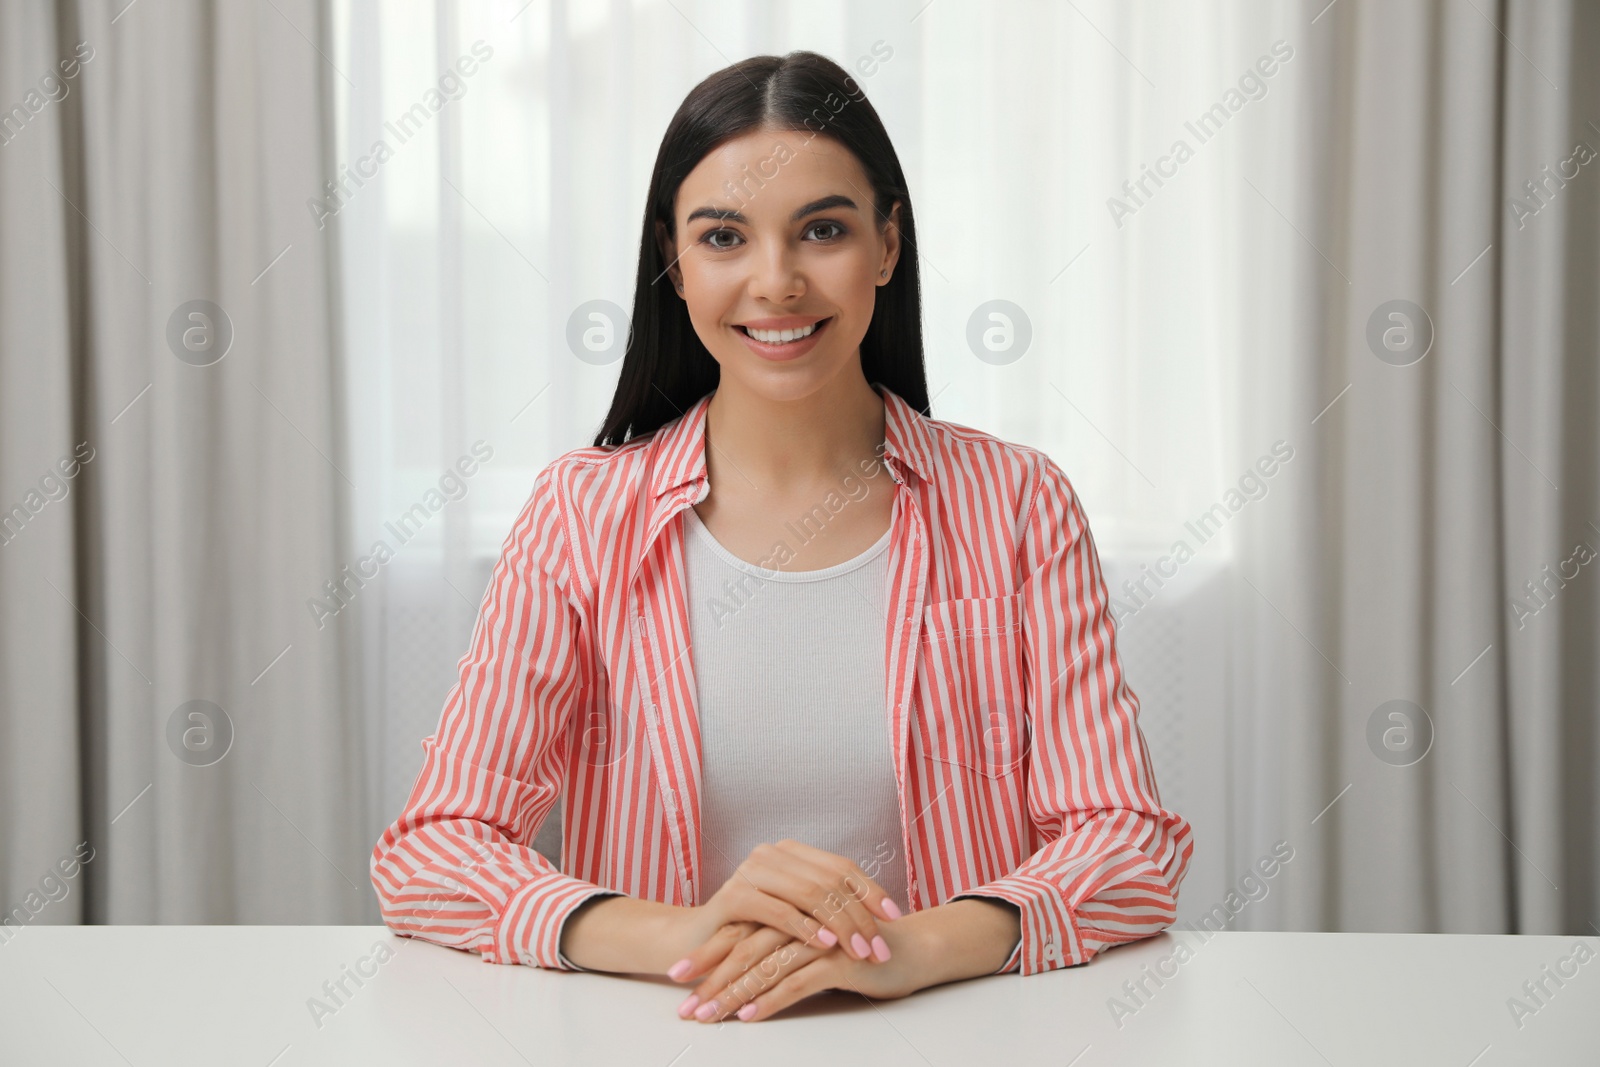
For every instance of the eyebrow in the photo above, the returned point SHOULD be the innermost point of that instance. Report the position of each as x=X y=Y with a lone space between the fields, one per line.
x=730 y=215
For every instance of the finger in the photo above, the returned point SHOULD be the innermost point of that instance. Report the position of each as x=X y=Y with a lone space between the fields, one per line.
x=845 y=904
x=766 y=975
x=820 y=891
x=860 y=883
x=749 y=952
x=863 y=893
x=746 y=953
x=766 y=892
x=797 y=985
x=712 y=951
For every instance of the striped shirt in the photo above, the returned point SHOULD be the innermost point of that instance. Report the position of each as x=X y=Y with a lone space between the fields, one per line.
x=1018 y=760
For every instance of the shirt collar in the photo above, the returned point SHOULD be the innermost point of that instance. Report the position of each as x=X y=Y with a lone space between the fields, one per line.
x=681 y=450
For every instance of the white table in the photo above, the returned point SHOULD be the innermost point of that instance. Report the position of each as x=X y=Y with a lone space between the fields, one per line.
x=147 y=995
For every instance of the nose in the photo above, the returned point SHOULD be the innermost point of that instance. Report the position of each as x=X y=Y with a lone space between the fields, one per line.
x=774 y=274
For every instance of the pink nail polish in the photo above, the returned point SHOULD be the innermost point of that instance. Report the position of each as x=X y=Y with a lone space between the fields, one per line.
x=748 y=1011
x=679 y=969
x=891 y=907
x=880 y=949
x=706 y=1010
x=688 y=1005
x=859 y=943
x=827 y=937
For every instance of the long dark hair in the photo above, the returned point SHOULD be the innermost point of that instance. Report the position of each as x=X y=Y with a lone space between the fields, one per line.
x=666 y=368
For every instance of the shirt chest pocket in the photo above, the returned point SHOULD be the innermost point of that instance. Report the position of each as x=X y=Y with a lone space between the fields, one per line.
x=972 y=697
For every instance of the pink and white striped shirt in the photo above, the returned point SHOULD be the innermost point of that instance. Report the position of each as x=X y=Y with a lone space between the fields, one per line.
x=1021 y=770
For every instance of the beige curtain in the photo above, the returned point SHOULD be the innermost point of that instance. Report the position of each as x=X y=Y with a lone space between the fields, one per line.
x=1432 y=482
x=178 y=737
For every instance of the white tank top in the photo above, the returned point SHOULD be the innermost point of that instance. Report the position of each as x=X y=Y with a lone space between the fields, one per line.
x=794 y=731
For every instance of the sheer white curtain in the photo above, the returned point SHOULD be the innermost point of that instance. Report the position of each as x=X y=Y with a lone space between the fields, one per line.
x=1028 y=133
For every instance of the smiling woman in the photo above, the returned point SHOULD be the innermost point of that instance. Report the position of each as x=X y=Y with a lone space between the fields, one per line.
x=928 y=686
x=750 y=199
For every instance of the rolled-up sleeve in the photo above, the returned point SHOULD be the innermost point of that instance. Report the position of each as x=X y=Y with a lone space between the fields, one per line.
x=457 y=867
x=1114 y=857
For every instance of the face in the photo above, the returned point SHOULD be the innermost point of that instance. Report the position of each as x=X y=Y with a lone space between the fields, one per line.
x=779 y=260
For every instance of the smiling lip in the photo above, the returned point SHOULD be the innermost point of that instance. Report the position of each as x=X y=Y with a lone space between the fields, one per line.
x=786 y=322
x=783 y=352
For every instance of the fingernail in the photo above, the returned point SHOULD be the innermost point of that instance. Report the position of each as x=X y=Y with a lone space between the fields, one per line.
x=891 y=907
x=706 y=1010
x=679 y=969
x=748 y=1011
x=859 y=943
x=880 y=949
x=688 y=1005
x=827 y=937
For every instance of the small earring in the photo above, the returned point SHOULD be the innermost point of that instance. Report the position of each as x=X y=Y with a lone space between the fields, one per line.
x=883 y=273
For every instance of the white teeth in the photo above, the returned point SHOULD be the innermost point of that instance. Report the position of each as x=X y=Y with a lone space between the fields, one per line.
x=781 y=337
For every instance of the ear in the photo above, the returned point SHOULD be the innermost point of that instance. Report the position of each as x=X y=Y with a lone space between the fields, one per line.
x=891 y=244
x=669 y=256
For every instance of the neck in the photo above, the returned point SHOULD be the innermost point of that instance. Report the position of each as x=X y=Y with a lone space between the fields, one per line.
x=778 y=446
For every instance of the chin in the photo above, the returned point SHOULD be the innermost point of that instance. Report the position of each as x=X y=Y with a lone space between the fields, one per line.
x=779 y=383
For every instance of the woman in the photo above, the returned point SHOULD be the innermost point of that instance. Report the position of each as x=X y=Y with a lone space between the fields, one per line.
x=782 y=694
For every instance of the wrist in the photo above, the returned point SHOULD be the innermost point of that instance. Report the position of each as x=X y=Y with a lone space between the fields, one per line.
x=969 y=938
x=682 y=929
x=923 y=939
x=623 y=935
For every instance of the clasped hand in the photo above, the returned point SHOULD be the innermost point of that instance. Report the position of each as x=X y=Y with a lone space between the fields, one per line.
x=794 y=920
